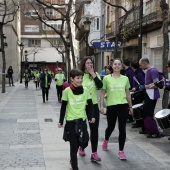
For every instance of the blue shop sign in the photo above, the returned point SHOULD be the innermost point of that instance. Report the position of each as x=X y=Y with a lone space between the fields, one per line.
x=105 y=44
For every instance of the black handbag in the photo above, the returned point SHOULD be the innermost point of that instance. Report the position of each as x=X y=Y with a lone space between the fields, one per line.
x=7 y=75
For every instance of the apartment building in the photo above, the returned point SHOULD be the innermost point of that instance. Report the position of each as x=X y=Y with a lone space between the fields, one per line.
x=12 y=33
x=128 y=26
x=90 y=12
x=41 y=41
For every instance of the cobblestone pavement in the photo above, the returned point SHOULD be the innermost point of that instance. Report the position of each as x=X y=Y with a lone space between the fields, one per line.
x=30 y=139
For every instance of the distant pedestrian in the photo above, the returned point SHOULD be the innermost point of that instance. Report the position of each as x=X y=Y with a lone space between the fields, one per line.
x=37 y=79
x=110 y=66
x=118 y=105
x=92 y=81
x=104 y=72
x=45 y=83
x=27 y=78
x=59 y=78
x=10 y=76
x=150 y=99
x=76 y=107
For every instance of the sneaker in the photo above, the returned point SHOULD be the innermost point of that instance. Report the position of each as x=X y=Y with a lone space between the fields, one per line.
x=81 y=152
x=105 y=145
x=95 y=157
x=121 y=155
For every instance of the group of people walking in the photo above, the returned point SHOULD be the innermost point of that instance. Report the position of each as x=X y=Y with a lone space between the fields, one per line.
x=80 y=102
x=77 y=104
x=86 y=80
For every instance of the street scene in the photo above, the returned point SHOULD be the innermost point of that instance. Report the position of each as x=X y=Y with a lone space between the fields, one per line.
x=84 y=84
x=31 y=139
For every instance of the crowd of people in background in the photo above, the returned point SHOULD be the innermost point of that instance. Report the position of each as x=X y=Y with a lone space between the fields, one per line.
x=128 y=86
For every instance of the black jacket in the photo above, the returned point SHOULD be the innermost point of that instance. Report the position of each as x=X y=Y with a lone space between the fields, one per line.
x=42 y=78
x=10 y=72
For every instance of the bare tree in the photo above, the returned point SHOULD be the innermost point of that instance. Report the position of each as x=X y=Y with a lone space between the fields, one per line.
x=165 y=17
x=8 y=10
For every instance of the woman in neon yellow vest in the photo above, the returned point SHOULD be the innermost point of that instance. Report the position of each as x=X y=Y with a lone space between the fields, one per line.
x=118 y=103
x=59 y=78
x=92 y=81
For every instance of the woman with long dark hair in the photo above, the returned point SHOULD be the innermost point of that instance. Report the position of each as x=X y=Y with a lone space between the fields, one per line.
x=10 y=76
x=118 y=105
x=92 y=81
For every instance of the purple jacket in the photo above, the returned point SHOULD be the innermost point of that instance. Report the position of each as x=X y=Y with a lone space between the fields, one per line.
x=130 y=73
x=140 y=76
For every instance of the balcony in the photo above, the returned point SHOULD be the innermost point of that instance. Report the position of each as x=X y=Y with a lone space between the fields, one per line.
x=84 y=1
x=110 y=30
x=148 y=24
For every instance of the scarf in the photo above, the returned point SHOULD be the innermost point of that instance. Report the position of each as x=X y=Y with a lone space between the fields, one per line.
x=77 y=90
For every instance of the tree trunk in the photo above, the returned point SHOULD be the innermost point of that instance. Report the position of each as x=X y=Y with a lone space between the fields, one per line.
x=3 y=59
x=70 y=34
x=165 y=59
x=165 y=12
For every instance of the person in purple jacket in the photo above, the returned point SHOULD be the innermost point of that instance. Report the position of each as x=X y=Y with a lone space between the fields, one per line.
x=138 y=96
x=150 y=99
x=129 y=73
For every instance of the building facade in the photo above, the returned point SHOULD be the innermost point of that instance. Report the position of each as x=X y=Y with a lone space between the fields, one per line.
x=41 y=42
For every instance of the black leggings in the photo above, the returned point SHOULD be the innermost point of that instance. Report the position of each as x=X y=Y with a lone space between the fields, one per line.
x=94 y=134
x=114 y=111
x=37 y=84
x=45 y=91
x=59 y=92
x=26 y=83
x=74 y=143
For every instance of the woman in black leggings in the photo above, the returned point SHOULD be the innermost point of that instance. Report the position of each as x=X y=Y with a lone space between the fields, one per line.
x=118 y=105
x=92 y=81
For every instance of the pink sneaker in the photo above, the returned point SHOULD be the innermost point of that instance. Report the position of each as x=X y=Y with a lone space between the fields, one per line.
x=95 y=157
x=105 y=145
x=81 y=152
x=121 y=155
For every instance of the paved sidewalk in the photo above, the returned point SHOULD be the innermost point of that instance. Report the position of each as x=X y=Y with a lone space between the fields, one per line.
x=31 y=140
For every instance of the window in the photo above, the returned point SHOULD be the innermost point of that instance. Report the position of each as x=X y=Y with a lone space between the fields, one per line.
x=97 y=24
x=34 y=43
x=56 y=26
x=32 y=13
x=31 y=28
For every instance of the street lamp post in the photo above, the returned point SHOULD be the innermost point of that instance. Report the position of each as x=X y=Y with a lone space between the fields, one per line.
x=26 y=53
x=140 y=31
x=87 y=23
x=21 y=50
x=68 y=57
x=35 y=52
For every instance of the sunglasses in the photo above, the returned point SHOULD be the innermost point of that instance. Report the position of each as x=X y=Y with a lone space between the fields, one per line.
x=167 y=66
x=59 y=70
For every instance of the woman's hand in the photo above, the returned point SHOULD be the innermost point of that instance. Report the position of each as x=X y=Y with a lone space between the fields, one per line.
x=59 y=125
x=92 y=120
x=131 y=111
x=102 y=110
x=90 y=69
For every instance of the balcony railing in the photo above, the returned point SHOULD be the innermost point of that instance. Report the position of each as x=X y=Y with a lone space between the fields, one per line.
x=148 y=19
x=110 y=30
